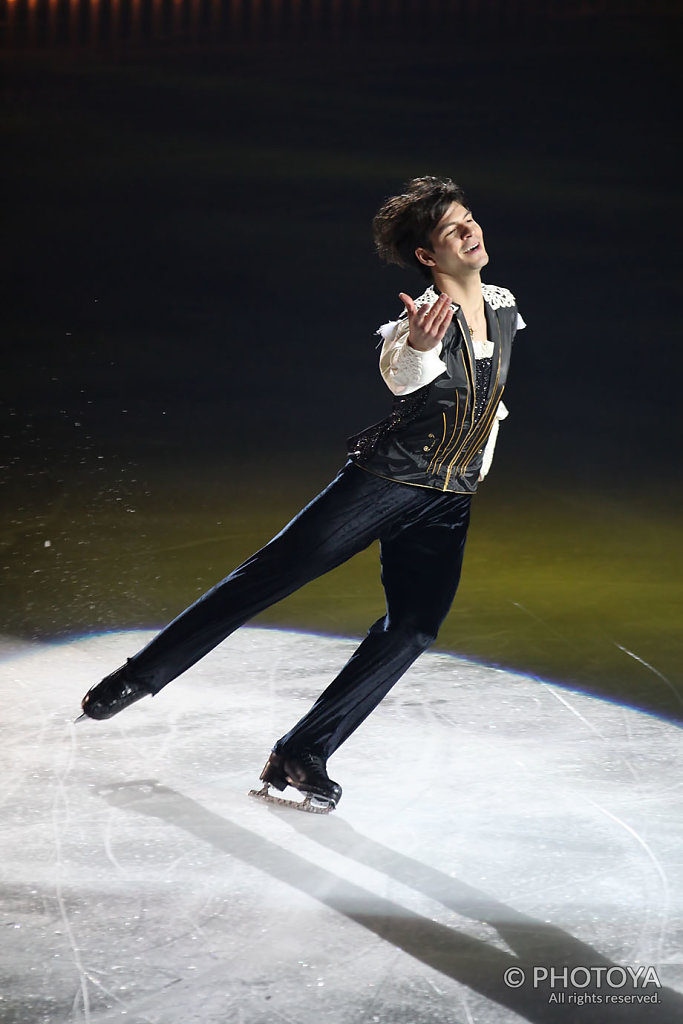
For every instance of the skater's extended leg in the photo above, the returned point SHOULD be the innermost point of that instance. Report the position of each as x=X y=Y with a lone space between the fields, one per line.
x=421 y=567
x=342 y=520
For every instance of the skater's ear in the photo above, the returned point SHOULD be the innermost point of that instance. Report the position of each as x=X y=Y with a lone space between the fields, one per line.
x=425 y=257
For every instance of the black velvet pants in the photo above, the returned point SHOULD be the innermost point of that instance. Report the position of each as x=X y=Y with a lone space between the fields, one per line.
x=422 y=538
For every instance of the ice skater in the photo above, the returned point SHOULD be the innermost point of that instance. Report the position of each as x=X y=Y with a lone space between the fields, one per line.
x=408 y=483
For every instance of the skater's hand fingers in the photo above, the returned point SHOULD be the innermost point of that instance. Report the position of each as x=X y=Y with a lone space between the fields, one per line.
x=411 y=308
x=427 y=324
x=430 y=319
x=438 y=314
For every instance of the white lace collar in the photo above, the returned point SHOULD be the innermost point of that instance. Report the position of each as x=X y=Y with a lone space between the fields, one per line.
x=493 y=295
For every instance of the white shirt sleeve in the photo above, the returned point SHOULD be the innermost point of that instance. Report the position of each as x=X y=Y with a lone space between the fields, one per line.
x=403 y=368
x=501 y=414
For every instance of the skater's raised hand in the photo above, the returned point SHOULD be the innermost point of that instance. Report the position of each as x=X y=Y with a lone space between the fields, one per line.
x=428 y=324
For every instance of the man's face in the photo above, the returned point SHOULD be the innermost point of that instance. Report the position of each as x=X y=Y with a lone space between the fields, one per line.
x=457 y=244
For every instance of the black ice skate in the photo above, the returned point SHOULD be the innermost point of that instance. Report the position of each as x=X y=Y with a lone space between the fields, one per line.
x=307 y=773
x=116 y=692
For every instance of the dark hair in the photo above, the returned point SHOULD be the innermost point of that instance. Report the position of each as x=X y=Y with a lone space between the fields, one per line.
x=405 y=222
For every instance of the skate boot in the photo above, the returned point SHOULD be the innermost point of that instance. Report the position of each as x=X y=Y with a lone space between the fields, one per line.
x=116 y=692
x=305 y=771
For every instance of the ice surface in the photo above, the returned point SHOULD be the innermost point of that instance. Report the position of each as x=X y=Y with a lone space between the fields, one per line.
x=489 y=821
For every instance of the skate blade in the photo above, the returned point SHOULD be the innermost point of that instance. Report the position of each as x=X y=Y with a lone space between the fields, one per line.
x=311 y=804
x=81 y=718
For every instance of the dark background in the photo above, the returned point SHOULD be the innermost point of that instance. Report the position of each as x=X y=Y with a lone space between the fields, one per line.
x=190 y=294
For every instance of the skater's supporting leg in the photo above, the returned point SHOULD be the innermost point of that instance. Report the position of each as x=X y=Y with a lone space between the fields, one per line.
x=421 y=567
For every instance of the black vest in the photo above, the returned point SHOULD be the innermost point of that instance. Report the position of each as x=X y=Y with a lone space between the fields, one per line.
x=431 y=438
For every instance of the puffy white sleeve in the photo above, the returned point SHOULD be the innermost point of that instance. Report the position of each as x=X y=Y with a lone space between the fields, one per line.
x=501 y=414
x=403 y=368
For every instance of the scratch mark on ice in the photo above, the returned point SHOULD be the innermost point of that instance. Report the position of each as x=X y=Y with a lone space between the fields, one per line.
x=537 y=618
x=108 y=849
x=666 y=901
x=647 y=665
x=61 y=803
x=573 y=710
